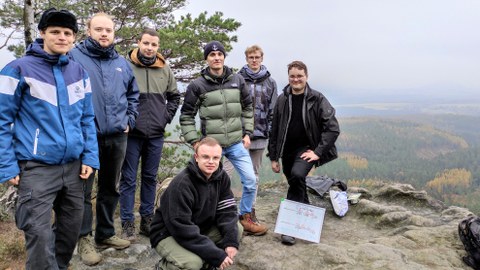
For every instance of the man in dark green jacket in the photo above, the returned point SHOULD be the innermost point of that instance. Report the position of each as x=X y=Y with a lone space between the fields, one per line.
x=159 y=99
x=225 y=108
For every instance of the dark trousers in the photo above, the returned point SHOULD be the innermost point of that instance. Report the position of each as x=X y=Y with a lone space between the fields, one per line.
x=44 y=188
x=296 y=170
x=150 y=151
x=112 y=153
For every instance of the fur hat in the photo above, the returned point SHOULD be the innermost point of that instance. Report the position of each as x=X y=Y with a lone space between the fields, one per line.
x=62 y=18
x=213 y=46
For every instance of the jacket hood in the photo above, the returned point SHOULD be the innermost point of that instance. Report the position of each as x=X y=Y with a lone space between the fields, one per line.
x=133 y=57
x=36 y=49
x=93 y=49
x=195 y=170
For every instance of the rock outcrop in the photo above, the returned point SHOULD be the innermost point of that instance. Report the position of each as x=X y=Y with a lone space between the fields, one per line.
x=394 y=227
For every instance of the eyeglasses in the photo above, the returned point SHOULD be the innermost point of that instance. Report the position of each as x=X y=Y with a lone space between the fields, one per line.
x=254 y=57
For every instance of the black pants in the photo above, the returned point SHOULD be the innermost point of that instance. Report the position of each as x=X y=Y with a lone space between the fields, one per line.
x=43 y=188
x=296 y=170
x=112 y=150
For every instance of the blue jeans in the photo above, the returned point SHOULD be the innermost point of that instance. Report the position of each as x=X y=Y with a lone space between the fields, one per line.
x=150 y=151
x=240 y=159
x=43 y=188
x=112 y=153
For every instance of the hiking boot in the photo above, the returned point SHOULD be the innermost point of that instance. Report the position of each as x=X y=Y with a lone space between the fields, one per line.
x=288 y=240
x=253 y=216
x=87 y=251
x=115 y=242
x=251 y=227
x=145 y=225
x=128 y=230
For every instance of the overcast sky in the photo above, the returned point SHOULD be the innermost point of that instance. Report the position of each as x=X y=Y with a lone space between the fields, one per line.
x=360 y=47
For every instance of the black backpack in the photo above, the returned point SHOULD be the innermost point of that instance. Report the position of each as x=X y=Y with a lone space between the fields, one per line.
x=469 y=232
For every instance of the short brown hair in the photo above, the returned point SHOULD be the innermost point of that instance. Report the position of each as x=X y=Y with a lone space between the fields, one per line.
x=98 y=15
x=253 y=49
x=299 y=65
x=148 y=31
x=210 y=141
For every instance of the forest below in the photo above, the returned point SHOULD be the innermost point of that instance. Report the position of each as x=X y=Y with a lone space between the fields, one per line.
x=436 y=153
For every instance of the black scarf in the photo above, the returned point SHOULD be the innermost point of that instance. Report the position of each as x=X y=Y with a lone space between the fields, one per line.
x=147 y=61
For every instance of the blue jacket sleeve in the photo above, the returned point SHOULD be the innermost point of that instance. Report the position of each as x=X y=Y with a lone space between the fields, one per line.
x=133 y=93
x=10 y=95
x=90 y=152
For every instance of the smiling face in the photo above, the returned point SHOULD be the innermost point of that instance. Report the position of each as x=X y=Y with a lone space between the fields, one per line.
x=215 y=61
x=297 y=80
x=101 y=29
x=148 y=45
x=57 y=40
x=208 y=158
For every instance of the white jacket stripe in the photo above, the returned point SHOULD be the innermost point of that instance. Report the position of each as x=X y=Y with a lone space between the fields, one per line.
x=8 y=85
x=42 y=91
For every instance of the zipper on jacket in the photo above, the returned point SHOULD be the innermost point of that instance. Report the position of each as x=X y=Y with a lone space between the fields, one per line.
x=35 y=142
x=286 y=127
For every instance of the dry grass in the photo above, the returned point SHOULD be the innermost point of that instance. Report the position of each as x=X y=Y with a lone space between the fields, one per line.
x=12 y=247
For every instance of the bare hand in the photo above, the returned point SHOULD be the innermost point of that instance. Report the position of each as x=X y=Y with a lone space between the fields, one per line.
x=85 y=172
x=14 y=181
x=231 y=252
x=309 y=156
x=127 y=129
x=246 y=141
x=226 y=263
x=275 y=166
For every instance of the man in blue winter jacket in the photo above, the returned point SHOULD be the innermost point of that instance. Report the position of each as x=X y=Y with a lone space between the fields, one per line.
x=48 y=143
x=115 y=100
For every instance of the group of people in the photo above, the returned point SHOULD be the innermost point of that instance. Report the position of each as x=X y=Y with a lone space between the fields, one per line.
x=68 y=111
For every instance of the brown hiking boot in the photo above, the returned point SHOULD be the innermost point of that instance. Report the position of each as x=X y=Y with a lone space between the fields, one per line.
x=251 y=227
x=87 y=251
x=115 y=242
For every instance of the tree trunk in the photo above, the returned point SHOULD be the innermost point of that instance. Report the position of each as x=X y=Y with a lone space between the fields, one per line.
x=29 y=22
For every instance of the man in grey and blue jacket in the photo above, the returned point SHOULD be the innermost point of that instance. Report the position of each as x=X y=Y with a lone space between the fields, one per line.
x=48 y=143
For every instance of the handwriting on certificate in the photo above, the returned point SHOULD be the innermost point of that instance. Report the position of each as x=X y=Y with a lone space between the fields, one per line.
x=300 y=220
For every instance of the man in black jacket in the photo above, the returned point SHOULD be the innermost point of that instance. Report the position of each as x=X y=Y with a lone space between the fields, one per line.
x=303 y=134
x=197 y=221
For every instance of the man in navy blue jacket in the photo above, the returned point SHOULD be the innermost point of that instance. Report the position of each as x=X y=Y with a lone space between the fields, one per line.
x=48 y=143
x=115 y=100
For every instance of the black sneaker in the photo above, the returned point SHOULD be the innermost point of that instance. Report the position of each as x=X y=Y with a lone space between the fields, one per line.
x=145 y=225
x=288 y=240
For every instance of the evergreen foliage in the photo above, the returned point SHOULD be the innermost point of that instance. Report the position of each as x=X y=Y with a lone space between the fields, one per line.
x=181 y=40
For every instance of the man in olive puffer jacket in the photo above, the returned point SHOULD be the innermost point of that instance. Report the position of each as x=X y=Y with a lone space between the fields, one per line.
x=226 y=113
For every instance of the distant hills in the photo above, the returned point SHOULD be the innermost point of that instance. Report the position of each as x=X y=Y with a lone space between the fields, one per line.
x=406 y=143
